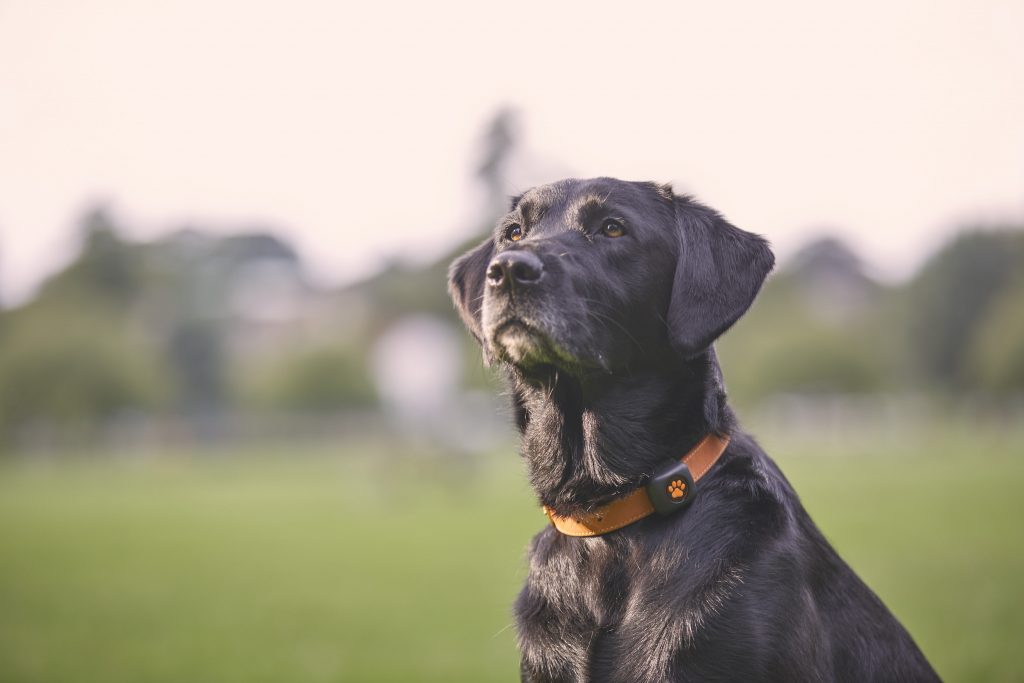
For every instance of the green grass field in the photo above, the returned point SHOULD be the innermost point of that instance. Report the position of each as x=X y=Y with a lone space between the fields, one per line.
x=356 y=565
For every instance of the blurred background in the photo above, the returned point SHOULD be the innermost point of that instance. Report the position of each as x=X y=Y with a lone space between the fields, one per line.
x=242 y=433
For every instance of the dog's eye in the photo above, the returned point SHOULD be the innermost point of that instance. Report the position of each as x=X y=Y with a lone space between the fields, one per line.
x=514 y=233
x=613 y=228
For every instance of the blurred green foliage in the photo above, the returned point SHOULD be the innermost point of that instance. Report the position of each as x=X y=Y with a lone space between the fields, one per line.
x=316 y=380
x=194 y=325
x=954 y=297
x=72 y=368
x=823 y=325
x=995 y=360
x=798 y=339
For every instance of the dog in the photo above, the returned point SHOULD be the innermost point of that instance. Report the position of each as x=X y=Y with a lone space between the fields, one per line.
x=601 y=299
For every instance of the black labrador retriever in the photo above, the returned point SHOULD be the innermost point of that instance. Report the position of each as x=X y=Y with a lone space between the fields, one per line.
x=602 y=298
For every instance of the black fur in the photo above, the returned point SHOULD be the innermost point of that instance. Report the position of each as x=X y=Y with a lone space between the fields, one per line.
x=607 y=345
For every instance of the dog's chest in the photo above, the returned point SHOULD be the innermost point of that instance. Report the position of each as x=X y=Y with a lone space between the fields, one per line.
x=571 y=605
x=611 y=608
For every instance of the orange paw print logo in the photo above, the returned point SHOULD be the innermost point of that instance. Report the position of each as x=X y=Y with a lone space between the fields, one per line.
x=677 y=489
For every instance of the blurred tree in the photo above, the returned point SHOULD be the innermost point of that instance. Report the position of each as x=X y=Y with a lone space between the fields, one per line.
x=500 y=141
x=403 y=290
x=815 y=328
x=192 y=322
x=193 y=284
x=314 y=380
x=73 y=367
x=996 y=357
x=196 y=355
x=106 y=268
x=951 y=296
x=819 y=361
x=164 y=307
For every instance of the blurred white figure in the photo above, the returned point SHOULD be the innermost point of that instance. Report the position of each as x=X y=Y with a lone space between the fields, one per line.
x=417 y=366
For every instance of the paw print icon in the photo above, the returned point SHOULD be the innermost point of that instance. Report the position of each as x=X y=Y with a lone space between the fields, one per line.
x=671 y=487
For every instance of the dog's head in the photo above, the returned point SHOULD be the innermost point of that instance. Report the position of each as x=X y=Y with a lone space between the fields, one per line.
x=606 y=275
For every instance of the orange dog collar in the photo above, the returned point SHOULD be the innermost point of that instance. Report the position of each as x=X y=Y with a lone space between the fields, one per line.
x=670 y=489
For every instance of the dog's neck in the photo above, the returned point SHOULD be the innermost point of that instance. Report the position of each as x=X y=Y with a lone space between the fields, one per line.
x=589 y=440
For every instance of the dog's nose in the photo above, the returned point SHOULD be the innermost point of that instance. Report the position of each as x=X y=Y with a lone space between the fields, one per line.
x=514 y=268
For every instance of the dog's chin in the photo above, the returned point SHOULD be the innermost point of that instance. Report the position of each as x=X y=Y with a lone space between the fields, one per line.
x=531 y=351
x=520 y=344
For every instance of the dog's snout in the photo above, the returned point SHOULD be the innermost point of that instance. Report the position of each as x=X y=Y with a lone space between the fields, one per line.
x=514 y=268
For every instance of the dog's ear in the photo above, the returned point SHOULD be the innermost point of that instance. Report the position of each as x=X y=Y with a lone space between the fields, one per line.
x=718 y=274
x=466 y=285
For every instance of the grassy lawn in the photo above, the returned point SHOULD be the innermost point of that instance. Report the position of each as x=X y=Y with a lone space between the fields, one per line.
x=310 y=565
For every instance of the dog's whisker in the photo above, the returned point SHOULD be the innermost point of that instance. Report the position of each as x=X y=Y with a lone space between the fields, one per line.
x=502 y=630
x=604 y=318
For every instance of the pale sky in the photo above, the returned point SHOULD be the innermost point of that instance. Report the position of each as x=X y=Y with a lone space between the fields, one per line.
x=352 y=127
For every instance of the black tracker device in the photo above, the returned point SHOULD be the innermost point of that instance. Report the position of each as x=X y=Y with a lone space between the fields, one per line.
x=671 y=487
